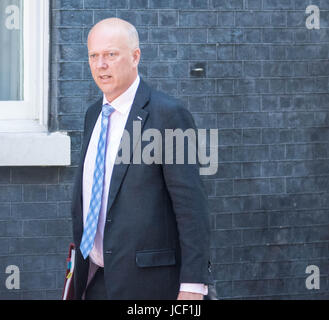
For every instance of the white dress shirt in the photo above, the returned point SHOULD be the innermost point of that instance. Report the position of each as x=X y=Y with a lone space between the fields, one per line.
x=117 y=123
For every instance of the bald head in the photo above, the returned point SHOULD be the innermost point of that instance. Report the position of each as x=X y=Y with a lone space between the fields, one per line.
x=120 y=27
x=114 y=55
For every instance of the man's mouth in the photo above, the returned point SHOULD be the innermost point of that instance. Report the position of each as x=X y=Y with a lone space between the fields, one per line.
x=104 y=77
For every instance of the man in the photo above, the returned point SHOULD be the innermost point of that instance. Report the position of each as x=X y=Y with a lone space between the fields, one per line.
x=141 y=230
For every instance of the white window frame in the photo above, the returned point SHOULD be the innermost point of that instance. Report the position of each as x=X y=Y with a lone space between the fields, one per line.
x=36 y=53
x=24 y=136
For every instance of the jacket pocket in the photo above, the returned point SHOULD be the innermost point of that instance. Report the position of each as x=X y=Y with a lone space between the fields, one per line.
x=155 y=258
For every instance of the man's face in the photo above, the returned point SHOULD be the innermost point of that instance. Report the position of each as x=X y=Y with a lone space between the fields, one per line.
x=113 y=63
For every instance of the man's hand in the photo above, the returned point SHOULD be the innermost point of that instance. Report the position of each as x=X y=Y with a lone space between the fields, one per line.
x=189 y=296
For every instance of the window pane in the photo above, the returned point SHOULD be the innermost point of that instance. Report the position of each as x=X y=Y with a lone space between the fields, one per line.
x=11 y=53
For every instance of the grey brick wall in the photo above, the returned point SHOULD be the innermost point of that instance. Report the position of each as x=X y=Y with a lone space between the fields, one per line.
x=265 y=88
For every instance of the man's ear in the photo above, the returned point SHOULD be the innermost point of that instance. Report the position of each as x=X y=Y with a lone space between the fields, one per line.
x=136 y=56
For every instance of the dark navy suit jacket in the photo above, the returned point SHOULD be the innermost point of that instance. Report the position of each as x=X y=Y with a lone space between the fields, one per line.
x=157 y=230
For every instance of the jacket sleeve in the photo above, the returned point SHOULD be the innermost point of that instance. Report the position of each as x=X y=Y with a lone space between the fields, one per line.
x=188 y=196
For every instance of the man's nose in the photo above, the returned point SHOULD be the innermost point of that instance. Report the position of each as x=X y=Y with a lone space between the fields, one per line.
x=101 y=62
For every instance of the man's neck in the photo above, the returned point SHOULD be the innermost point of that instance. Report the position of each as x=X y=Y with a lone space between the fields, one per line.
x=110 y=98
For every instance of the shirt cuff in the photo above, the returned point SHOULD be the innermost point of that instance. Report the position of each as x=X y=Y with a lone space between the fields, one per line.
x=194 y=288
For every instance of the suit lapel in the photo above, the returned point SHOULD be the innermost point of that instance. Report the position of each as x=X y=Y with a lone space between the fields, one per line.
x=97 y=108
x=77 y=213
x=137 y=113
x=91 y=121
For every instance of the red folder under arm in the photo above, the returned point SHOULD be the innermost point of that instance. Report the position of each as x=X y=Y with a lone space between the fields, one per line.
x=68 y=290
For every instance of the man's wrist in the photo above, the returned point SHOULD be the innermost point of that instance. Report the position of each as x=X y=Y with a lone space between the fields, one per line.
x=194 y=288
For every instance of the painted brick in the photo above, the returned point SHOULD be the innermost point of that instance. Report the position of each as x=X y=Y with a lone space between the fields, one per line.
x=259 y=52
x=64 y=210
x=224 y=69
x=196 y=4
x=73 y=18
x=70 y=71
x=279 y=19
x=59 y=192
x=5 y=211
x=278 y=36
x=69 y=105
x=225 y=103
x=251 y=169
x=168 y=52
x=278 y=52
x=225 y=86
x=252 y=103
x=34 y=175
x=10 y=193
x=4 y=175
x=251 y=186
x=265 y=87
x=277 y=69
x=70 y=88
x=11 y=228
x=198 y=35
x=251 y=120
x=225 y=120
x=67 y=174
x=252 y=35
x=32 y=246
x=98 y=16
x=227 y=4
x=224 y=188
x=34 y=193
x=68 y=35
x=197 y=19
x=34 y=210
x=34 y=228
x=225 y=18
x=68 y=4
x=255 y=19
x=168 y=18
x=279 y=4
x=277 y=168
x=58 y=227
x=251 y=153
x=149 y=51
x=169 y=35
x=161 y=4
x=307 y=184
x=35 y=280
x=227 y=35
x=206 y=52
x=230 y=137
x=139 y=18
x=73 y=53
x=138 y=4
x=105 y=4
x=254 y=4
x=252 y=69
x=197 y=86
x=225 y=52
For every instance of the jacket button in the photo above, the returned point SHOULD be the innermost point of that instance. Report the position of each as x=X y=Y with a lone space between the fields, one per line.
x=108 y=251
x=109 y=220
x=209 y=266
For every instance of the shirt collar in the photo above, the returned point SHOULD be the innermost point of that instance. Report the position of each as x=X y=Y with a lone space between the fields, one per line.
x=124 y=102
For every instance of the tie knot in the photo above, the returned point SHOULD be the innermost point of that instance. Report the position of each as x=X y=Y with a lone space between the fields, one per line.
x=107 y=110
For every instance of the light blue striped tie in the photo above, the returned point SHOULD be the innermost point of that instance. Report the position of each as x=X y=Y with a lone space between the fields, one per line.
x=90 y=228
